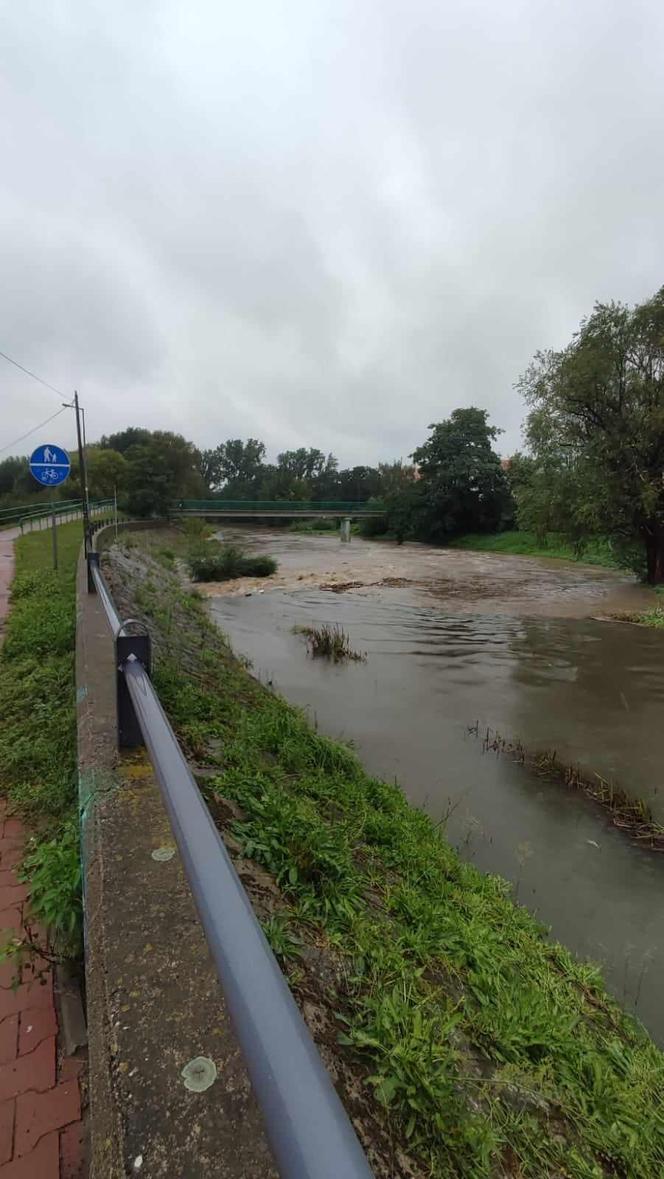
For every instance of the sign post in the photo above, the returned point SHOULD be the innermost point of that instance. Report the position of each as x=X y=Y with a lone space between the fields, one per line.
x=50 y=466
x=54 y=534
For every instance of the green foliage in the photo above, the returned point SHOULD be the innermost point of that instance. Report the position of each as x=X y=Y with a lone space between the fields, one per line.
x=527 y=544
x=228 y=561
x=161 y=470
x=596 y=433
x=372 y=526
x=196 y=529
x=653 y=617
x=462 y=486
x=279 y=932
x=495 y=1051
x=107 y=471
x=38 y=732
x=234 y=465
x=53 y=869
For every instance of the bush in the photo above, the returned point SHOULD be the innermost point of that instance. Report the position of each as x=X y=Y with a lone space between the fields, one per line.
x=196 y=529
x=228 y=562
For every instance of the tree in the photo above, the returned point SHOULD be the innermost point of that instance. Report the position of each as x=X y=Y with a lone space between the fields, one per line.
x=307 y=464
x=235 y=465
x=107 y=472
x=359 y=483
x=124 y=439
x=396 y=476
x=15 y=475
x=462 y=485
x=160 y=472
x=596 y=429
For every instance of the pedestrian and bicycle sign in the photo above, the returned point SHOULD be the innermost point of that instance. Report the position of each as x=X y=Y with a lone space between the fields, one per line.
x=50 y=465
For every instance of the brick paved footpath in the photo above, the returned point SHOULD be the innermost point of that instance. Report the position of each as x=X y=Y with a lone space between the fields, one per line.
x=41 y=1132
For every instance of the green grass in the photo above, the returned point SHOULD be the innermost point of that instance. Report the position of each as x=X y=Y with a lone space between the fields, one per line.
x=654 y=617
x=492 y=1051
x=526 y=544
x=38 y=732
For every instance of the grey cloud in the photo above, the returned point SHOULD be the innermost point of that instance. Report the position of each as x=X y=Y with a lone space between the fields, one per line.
x=325 y=223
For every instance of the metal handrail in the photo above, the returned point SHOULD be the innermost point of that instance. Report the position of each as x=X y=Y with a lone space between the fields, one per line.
x=324 y=506
x=96 y=577
x=306 y=1124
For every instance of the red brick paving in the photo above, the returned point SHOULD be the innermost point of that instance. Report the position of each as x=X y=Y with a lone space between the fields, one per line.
x=41 y=1131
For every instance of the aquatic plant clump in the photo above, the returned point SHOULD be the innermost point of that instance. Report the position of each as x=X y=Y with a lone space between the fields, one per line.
x=226 y=562
x=330 y=642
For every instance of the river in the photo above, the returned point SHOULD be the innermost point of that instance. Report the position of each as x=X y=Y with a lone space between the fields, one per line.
x=515 y=644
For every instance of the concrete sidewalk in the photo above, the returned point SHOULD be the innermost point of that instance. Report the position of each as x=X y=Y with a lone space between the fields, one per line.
x=41 y=1132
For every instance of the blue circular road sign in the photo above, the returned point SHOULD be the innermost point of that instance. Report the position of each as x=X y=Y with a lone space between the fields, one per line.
x=50 y=465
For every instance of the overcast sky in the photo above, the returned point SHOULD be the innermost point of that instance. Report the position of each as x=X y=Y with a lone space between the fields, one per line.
x=318 y=222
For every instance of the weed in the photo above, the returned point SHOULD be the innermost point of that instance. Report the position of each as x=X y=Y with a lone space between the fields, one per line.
x=329 y=642
x=279 y=933
x=53 y=868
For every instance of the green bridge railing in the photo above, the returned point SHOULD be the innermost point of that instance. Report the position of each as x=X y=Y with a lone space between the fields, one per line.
x=328 y=507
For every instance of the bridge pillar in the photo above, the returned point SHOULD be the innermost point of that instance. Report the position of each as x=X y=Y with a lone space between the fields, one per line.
x=345 y=530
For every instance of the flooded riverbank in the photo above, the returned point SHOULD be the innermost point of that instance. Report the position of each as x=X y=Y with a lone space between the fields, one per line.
x=539 y=670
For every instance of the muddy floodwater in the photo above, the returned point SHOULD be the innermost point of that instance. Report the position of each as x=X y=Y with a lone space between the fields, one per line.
x=517 y=645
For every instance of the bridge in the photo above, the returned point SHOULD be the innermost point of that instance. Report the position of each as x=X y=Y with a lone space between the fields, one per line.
x=290 y=509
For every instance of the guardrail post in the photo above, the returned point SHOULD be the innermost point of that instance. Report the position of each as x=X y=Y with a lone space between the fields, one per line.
x=92 y=558
x=129 y=647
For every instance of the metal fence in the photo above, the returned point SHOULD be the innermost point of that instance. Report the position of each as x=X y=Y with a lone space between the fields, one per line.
x=35 y=516
x=307 y=1126
x=280 y=507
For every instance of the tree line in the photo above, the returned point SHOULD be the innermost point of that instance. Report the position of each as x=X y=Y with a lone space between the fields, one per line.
x=592 y=466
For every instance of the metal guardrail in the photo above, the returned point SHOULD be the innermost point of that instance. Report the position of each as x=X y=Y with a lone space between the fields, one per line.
x=307 y=1126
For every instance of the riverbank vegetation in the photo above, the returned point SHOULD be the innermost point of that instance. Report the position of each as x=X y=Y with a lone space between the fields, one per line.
x=38 y=731
x=527 y=544
x=629 y=814
x=653 y=617
x=463 y=1041
x=223 y=562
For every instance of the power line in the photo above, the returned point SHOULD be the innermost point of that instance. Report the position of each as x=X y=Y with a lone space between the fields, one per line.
x=29 y=432
x=31 y=374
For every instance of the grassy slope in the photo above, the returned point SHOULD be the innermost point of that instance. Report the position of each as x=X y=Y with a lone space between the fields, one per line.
x=496 y=1051
x=38 y=730
x=525 y=544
